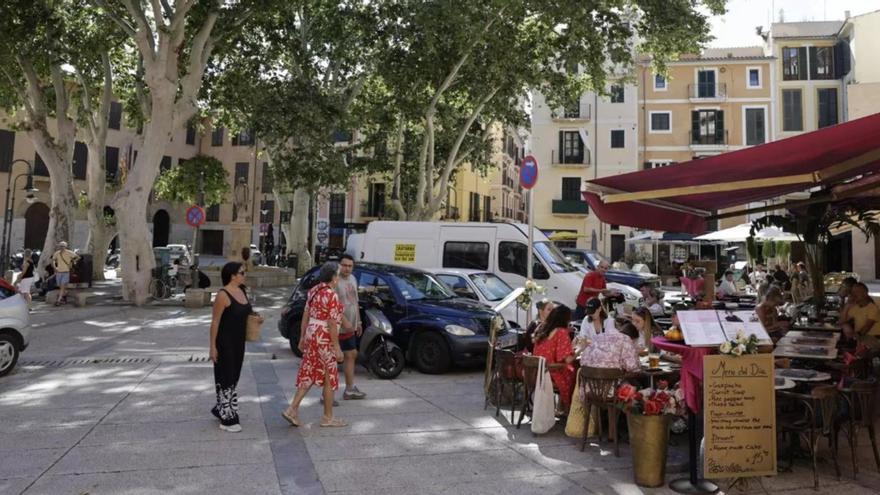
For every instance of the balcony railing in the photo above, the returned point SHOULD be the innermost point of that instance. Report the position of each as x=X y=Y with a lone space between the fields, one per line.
x=707 y=91
x=560 y=158
x=570 y=207
x=718 y=138
x=582 y=112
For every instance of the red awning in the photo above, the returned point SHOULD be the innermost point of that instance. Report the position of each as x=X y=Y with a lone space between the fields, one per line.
x=680 y=197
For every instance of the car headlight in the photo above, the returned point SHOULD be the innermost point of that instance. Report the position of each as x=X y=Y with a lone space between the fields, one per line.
x=459 y=330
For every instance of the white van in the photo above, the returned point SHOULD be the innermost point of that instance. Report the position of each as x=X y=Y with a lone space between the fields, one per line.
x=500 y=248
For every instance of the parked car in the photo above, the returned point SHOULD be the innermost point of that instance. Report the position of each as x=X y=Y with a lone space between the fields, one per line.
x=499 y=248
x=14 y=327
x=432 y=326
x=590 y=259
x=485 y=287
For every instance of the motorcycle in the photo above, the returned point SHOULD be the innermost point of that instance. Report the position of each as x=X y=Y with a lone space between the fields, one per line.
x=377 y=352
x=112 y=260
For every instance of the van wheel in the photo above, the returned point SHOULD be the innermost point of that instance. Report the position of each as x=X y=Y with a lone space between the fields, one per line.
x=8 y=354
x=431 y=354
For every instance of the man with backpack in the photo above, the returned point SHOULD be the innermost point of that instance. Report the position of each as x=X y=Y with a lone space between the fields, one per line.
x=63 y=260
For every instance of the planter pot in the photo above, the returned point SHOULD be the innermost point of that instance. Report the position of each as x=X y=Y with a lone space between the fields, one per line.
x=649 y=451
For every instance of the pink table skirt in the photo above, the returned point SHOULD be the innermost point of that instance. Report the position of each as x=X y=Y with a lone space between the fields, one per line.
x=692 y=286
x=691 y=369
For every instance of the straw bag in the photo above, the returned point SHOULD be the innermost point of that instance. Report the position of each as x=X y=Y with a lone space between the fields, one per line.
x=252 y=333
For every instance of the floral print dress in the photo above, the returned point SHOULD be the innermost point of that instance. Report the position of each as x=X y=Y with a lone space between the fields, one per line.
x=319 y=356
x=554 y=349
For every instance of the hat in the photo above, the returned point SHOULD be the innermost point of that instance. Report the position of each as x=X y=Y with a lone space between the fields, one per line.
x=62 y=244
x=592 y=305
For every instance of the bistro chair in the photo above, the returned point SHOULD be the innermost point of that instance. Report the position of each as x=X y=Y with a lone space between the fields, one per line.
x=529 y=380
x=506 y=375
x=861 y=398
x=598 y=386
x=817 y=419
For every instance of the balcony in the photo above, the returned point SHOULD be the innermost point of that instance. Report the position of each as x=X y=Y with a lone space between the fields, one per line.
x=559 y=159
x=370 y=209
x=700 y=140
x=702 y=92
x=581 y=113
x=570 y=207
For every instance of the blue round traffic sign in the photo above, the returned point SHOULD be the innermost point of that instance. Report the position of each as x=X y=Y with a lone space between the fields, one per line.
x=195 y=216
x=528 y=173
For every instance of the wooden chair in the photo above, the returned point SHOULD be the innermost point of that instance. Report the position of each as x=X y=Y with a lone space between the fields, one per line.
x=529 y=380
x=505 y=374
x=816 y=420
x=598 y=385
x=861 y=398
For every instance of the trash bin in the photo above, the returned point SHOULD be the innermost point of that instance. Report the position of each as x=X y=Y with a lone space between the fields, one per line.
x=81 y=271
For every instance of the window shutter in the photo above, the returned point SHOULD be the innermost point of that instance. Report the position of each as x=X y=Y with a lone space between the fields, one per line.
x=841 y=59
x=802 y=63
x=561 y=153
x=719 y=126
x=80 y=160
x=695 y=125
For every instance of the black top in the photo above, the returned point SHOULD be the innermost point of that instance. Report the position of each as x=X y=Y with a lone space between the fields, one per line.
x=29 y=270
x=234 y=317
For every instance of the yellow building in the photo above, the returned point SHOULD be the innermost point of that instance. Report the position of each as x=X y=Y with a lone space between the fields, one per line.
x=718 y=101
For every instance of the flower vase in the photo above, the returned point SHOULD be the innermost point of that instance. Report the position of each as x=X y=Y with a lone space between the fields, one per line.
x=649 y=452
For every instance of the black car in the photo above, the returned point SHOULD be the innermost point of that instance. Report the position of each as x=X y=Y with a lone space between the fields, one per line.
x=432 y=326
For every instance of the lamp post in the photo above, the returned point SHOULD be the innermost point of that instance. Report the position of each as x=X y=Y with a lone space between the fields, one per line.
x=29 y=187
x=7 y=210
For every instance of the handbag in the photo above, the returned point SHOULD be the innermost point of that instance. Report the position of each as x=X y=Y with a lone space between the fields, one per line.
x=543 y=409
x=252 y=331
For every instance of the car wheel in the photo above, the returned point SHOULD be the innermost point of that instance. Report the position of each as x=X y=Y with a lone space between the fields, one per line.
x=8 y=354
x=386 y=361
x=431 y=354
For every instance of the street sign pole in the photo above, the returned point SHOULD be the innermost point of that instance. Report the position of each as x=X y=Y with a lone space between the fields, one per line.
x=531 y=243
x=528 y=177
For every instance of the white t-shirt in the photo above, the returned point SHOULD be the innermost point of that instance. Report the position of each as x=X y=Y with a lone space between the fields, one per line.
x=588 y=331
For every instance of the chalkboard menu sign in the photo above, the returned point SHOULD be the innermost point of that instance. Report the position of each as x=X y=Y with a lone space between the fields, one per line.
x=739 y=416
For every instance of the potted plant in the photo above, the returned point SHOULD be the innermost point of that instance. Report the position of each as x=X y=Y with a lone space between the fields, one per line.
x=648 y=412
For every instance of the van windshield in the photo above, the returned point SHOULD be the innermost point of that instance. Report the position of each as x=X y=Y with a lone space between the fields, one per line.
x=492 y=287
x=553 y=257
x=415 y=286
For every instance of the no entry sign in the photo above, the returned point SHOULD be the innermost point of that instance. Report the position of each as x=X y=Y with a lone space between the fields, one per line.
x=528 y=173
x=195 y=216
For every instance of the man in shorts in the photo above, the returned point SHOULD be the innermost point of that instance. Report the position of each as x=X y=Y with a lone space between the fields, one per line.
x=63 y=260
x=347 y=290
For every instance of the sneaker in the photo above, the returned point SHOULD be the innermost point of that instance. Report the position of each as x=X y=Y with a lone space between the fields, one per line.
x=231 y=428
x=353 y=393
x=335 y=402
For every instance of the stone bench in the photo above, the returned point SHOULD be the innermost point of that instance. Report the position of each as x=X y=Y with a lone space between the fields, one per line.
x=197 y=298
x=52 y=297
x=80 y=298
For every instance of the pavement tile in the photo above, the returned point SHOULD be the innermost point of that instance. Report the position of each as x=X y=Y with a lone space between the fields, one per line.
x=194 y=430
x=42 y=438
x=14 y=485
x=379 y=424
x=32 y=418
x=565 y=459
x=375 y=407
x=216 y=480
x=398 y=445
x=544 y=485
x=27 y=463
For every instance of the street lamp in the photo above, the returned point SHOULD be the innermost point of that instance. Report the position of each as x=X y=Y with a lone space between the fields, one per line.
x=7 y=209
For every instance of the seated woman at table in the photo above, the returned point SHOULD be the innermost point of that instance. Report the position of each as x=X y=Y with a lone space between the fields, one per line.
x=646 y=326
x=728 y=287
x=768 y=314
x=861 y=317
x=652 y=299
x=615 y=350
x=845 y=289
x=544 y=307
x=596 y=321
x=554 y=345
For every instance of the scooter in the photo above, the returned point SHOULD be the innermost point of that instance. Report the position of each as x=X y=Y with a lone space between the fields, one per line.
x=377 y=352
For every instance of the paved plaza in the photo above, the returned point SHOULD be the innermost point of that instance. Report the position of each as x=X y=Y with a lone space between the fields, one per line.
x=112 y=399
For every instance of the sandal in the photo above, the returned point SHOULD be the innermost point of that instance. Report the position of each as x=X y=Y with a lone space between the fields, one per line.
x=292 y=419
x=333 y=423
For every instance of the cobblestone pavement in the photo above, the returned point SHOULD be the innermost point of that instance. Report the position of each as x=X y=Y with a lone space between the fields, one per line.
x=115 y=400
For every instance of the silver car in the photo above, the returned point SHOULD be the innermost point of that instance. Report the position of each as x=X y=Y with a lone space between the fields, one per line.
x=485 y=287
x=14 y=327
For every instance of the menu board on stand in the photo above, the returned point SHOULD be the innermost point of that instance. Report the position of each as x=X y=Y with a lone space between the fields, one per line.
x=739 y=416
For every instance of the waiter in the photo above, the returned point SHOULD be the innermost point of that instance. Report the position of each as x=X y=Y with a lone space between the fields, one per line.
x=593 y=285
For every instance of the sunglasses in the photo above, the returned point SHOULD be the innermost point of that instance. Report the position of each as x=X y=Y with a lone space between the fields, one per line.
x=241 y=272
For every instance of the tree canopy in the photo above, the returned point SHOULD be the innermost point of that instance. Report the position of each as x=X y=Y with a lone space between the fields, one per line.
x=185 y=182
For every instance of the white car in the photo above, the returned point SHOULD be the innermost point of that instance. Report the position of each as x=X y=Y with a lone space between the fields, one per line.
x=15 y=324
x=485 y=287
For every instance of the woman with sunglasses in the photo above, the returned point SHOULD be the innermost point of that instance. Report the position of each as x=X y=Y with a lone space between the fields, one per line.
x=228 y=329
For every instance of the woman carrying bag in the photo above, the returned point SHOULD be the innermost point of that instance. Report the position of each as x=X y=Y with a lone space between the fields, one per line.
x=229 y=321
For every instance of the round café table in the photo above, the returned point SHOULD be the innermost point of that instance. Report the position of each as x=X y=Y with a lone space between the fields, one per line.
x=692 y=384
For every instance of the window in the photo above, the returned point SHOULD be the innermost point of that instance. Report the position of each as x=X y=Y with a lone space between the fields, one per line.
x=792 y=113
x=378 y=285
x=459 y=286
x=512 y=258
x=618 y=138
x=337 y=210
x=706 y=84
x=657 y=164
x=112 y=158
x=7 y=149
x=40 y=166
x=821 y=62
x=341 y=136
x=267 y=184
x=661 y=122
x=212 y=214
x=80 y=160
x=707 y=127
x=269 y=207
x=755 y=126
x=191 y=133
x=571 y=188
x=165 y=164
x=571 y=146
x=827 y=106
x=616 y=93
x=243 y=138
x=754 y=78
x=487 y=208
x=659 y=82
x=241 y=172
x=794 y=63
x=469 y=255
x=217 y=136
x=115 y=118
x=492 y=287
x=212 y=242
x=376 y=204
x=474 y=213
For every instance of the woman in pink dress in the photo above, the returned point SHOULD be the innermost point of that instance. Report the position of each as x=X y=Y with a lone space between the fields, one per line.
x=552 y=342
x=319 y=342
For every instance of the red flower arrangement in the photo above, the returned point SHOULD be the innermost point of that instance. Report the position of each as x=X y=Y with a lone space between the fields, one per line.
x=650 y=401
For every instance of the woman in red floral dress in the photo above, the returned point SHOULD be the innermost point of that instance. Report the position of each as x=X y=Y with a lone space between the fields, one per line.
x=554 y=345
x=319 y=342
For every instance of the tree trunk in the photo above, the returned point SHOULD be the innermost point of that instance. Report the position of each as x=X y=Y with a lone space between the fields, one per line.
x=62 y=212
x=100 y=234
x=814 y=254
x=298 y=238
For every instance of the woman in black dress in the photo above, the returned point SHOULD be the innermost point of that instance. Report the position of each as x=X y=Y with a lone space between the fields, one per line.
x=228 y=328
